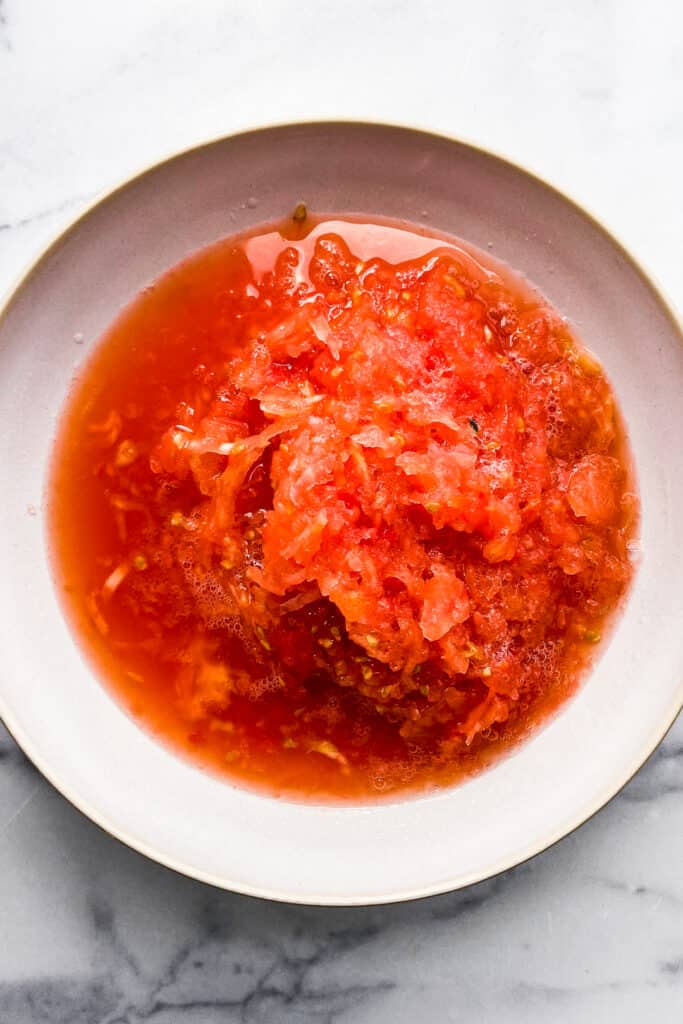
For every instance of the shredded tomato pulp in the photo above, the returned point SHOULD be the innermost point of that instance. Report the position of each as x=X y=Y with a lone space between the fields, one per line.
x=341 y=511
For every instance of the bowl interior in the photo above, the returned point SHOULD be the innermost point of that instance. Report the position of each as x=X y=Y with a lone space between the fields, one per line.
x=129 y=783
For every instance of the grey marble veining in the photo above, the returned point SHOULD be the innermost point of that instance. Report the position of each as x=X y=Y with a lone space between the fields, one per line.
x=589 y=931
x=589 y=94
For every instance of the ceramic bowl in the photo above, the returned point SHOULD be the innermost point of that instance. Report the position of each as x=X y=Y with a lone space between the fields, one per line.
x=129 y=783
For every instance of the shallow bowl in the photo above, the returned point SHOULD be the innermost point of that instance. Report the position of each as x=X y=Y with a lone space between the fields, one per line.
x=131 y=785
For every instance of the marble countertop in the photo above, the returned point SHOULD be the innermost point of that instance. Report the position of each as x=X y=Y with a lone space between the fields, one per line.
x=589 y=95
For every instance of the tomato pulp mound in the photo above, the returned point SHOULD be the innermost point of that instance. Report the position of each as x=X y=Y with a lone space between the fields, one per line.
x=341 y=510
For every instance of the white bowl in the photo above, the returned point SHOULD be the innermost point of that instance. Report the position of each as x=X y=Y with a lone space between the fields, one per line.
x=184 y=817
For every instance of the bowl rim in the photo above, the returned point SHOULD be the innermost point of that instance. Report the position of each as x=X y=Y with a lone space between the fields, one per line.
x=600 y=800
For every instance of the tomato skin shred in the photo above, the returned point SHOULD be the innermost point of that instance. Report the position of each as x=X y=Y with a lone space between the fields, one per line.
x=340 y=524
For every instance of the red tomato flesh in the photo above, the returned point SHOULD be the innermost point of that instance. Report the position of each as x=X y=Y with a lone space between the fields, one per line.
x=341 y=510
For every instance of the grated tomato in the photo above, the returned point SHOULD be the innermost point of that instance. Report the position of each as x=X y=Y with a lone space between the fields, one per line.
x=340 y=523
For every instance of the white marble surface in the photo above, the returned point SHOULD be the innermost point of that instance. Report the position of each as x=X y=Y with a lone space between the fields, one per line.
x=590 y=95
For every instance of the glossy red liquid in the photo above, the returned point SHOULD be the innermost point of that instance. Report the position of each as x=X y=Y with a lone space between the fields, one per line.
x=433 y=629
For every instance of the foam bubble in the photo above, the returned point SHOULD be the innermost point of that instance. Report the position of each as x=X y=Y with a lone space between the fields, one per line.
x=215 y=603
x=270 y=683
x=543 y=657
